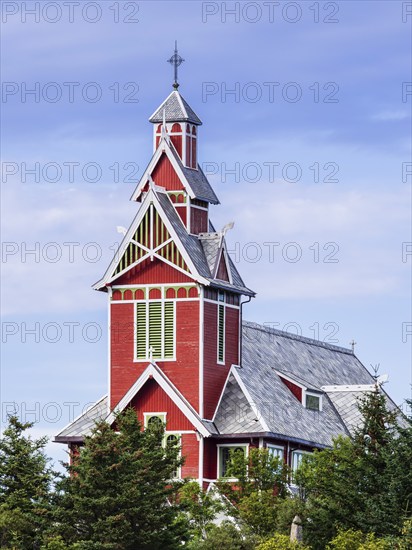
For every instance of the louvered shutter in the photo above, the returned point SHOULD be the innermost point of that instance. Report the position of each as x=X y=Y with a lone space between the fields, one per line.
x=169 y=339
x=221 y=334
x=155 y=328
x=141 y=331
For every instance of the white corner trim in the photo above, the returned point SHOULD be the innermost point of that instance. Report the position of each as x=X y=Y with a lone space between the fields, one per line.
x=152 y=371
x=223 y=391
x=342 y=388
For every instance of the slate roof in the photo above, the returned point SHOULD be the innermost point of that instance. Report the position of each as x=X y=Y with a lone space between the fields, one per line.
x=196 y=179
x=196 y=252
x=84 y=424
x=211 y=246
x=317 y=364
x=235 y=414
x=176 y=109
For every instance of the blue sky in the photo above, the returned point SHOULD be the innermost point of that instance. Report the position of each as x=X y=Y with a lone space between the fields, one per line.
x=314 y=102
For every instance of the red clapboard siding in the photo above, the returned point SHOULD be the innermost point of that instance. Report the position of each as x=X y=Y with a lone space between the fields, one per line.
x=210 y=459
x=296 y=390
x=156 y=272
x=177 y=142
x=222 y=273
x=164 y=175
x=182 y=211
x=198 y=221
x=152 y=398
x=190 y=451
x=214 y=373
x=183 y=373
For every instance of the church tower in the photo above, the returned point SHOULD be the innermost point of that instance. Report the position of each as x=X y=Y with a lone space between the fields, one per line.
x=174 y=294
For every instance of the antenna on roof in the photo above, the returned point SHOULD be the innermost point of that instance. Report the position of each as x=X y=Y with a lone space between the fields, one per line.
x=176 y=61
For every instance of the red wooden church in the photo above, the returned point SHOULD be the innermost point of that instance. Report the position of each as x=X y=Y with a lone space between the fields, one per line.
x=179 y=349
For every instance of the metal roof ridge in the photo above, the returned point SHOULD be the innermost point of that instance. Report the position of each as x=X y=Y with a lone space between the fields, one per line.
x=304 y=339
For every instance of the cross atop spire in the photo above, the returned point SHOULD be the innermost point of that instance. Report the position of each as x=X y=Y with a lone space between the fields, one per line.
x=176 y=60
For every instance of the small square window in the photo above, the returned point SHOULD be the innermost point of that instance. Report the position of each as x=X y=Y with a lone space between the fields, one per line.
x=313 y=402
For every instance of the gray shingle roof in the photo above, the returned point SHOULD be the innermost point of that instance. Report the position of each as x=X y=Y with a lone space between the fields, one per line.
x=235 y=415
x=84 y=424
x=196 y=252
x=211 y=246
x=315 y=364
x=176 y=110
x=197 y=180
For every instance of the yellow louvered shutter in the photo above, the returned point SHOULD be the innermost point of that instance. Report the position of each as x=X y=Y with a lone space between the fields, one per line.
x=155 y=329
x=141 y=331
x=169 y=338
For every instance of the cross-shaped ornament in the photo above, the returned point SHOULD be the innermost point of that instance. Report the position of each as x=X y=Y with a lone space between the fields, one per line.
x=176 y=61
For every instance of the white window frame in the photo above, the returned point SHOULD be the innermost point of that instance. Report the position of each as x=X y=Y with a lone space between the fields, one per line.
x=300 y=452
x=270 y=446
x=312 y=394
x=226 y=445
x=162 y=301
x=179 y=437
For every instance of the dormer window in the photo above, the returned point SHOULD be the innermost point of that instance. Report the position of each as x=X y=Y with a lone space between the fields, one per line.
x=313 y=401
x=310 y=397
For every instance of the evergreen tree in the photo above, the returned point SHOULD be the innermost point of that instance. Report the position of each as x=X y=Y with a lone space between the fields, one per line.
x=363 y=483
x=25 y=482
x=118 y=493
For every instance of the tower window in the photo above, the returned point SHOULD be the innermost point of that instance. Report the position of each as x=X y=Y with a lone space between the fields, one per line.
x=155 y=331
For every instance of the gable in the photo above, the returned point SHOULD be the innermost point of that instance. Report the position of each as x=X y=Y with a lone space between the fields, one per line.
x=155 y=235
x=165 y=175
x=153 y=399
x=235 y=413
x=222 y=272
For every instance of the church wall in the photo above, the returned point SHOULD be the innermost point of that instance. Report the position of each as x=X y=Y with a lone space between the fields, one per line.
x=215 y=374
x=184 y=372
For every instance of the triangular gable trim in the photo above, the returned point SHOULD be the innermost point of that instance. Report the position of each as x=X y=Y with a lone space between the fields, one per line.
x=223 y=253
x=150 y=197
x=163 y=147
x=152 y=371
x=259 y=416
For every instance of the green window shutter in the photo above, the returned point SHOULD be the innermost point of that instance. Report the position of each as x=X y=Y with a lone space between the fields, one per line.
x=141 y=331
x=155 y=328
x=221 y=334
x=169 y=337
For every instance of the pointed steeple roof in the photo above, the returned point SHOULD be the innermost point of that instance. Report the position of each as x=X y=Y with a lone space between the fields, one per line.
x=176 y=110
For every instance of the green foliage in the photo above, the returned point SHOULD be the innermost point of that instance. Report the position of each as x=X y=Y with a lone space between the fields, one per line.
x=25 y=481
x=356 y=540
x=260 y=494
x=257 y=472
x=116 y=496
x=225 y=536
x=281 y=542
x=259 y=512
x=361 y=484
x=199 y=509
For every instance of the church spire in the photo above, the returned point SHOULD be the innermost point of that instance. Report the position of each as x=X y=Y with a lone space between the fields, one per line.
x=176 y=60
